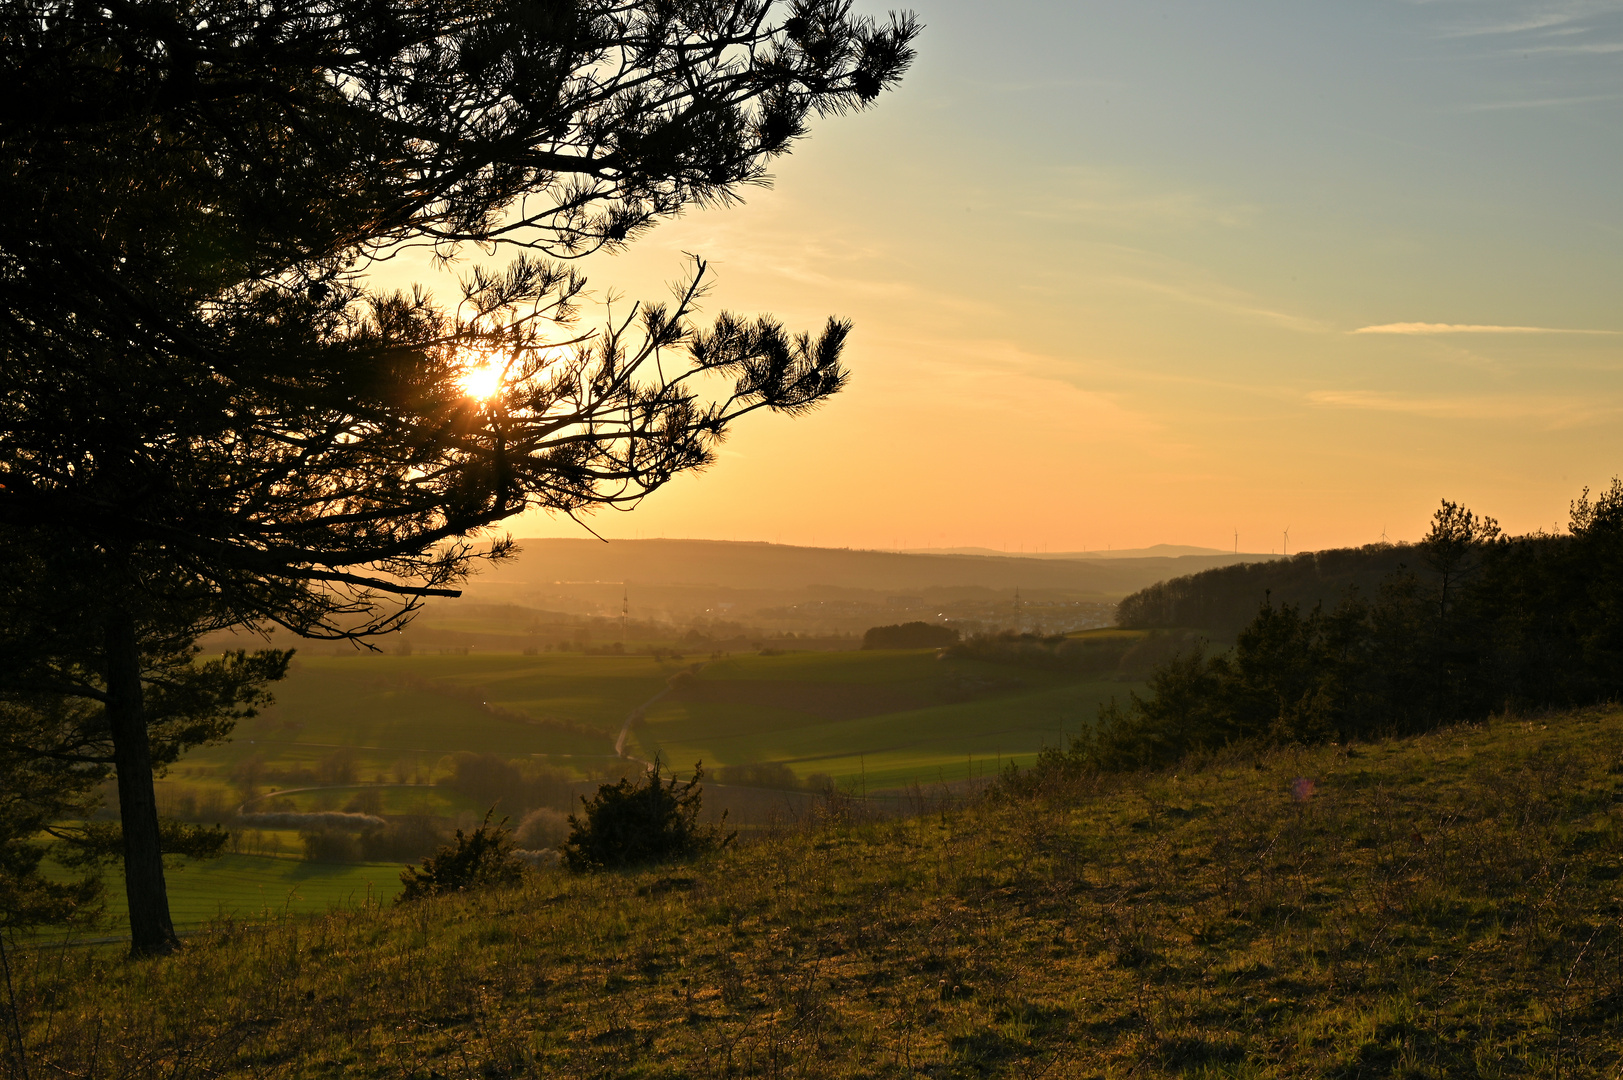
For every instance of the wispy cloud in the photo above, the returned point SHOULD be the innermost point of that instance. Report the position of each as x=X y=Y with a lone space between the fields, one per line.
x=1548 y=19
x=1229 y=301
x=1588 y=48
x=1470 y=328
x=1548 y=411
x=1541 y=103
x=1551 y=28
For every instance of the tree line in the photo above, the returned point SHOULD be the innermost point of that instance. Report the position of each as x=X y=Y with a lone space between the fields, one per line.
x=1221 y=601
x=1469 y=622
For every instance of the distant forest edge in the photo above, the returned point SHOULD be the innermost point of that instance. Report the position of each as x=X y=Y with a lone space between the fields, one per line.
x=1222 y=600
x=1374 y=642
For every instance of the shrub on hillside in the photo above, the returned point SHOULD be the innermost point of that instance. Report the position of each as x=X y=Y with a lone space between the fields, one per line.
x=478 y=860
x=649 y=820
x=910 y=635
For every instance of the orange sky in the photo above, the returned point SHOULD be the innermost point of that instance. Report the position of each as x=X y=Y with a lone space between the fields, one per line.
x=1122 y=277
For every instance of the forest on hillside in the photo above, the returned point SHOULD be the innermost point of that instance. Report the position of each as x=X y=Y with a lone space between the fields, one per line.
x=1222 y=600
x=1466 y=623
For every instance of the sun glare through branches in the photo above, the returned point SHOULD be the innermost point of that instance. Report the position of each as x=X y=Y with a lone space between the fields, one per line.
x=481 y=379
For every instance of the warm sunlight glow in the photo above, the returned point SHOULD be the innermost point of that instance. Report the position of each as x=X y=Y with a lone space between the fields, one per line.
x=481 y=381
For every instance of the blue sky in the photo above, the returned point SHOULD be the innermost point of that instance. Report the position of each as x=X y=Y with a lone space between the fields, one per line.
x=1109 y=265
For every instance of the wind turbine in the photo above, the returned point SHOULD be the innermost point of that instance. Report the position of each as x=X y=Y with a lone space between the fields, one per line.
x=1287 y=541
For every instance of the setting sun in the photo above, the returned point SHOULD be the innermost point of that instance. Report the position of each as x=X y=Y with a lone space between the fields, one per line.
x=482 y=381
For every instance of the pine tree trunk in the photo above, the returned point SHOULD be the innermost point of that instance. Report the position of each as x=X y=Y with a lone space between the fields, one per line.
x=151 y=931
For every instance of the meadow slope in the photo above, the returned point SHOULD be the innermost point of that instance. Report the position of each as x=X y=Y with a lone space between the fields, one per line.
x=1441 y=906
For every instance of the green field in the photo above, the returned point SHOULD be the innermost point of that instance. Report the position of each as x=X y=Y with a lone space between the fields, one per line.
x=251 y=887
x=398 y=716
x=892 y=718
x=889 y=718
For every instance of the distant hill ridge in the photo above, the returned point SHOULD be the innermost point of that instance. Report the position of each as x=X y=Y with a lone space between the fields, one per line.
x=1155 y=551
x=757 y=565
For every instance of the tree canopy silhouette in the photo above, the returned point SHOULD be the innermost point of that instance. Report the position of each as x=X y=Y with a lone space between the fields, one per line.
x=203 y=396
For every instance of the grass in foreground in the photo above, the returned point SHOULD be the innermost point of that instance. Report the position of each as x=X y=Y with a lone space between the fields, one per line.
x=1441 y=906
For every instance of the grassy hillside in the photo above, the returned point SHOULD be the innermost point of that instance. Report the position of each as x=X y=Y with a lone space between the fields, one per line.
x=1441 y=906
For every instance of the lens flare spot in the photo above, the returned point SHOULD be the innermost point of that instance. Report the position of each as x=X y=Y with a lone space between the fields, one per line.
x=481 y=381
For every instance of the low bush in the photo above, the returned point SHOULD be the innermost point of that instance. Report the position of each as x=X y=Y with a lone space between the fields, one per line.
x=478 y=860
x=649 y=820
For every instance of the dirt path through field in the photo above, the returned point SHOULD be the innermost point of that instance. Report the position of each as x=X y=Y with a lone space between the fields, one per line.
x=641 y=711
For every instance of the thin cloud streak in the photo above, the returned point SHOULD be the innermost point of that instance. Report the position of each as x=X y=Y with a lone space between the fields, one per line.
x=1230 y=305
x=1595 y=48
x=1539 y=103
x=1547 y=411
x=1565 y=18
x=1471 y=328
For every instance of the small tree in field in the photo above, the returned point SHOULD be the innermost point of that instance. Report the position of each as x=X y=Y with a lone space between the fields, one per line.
x=650 y=820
